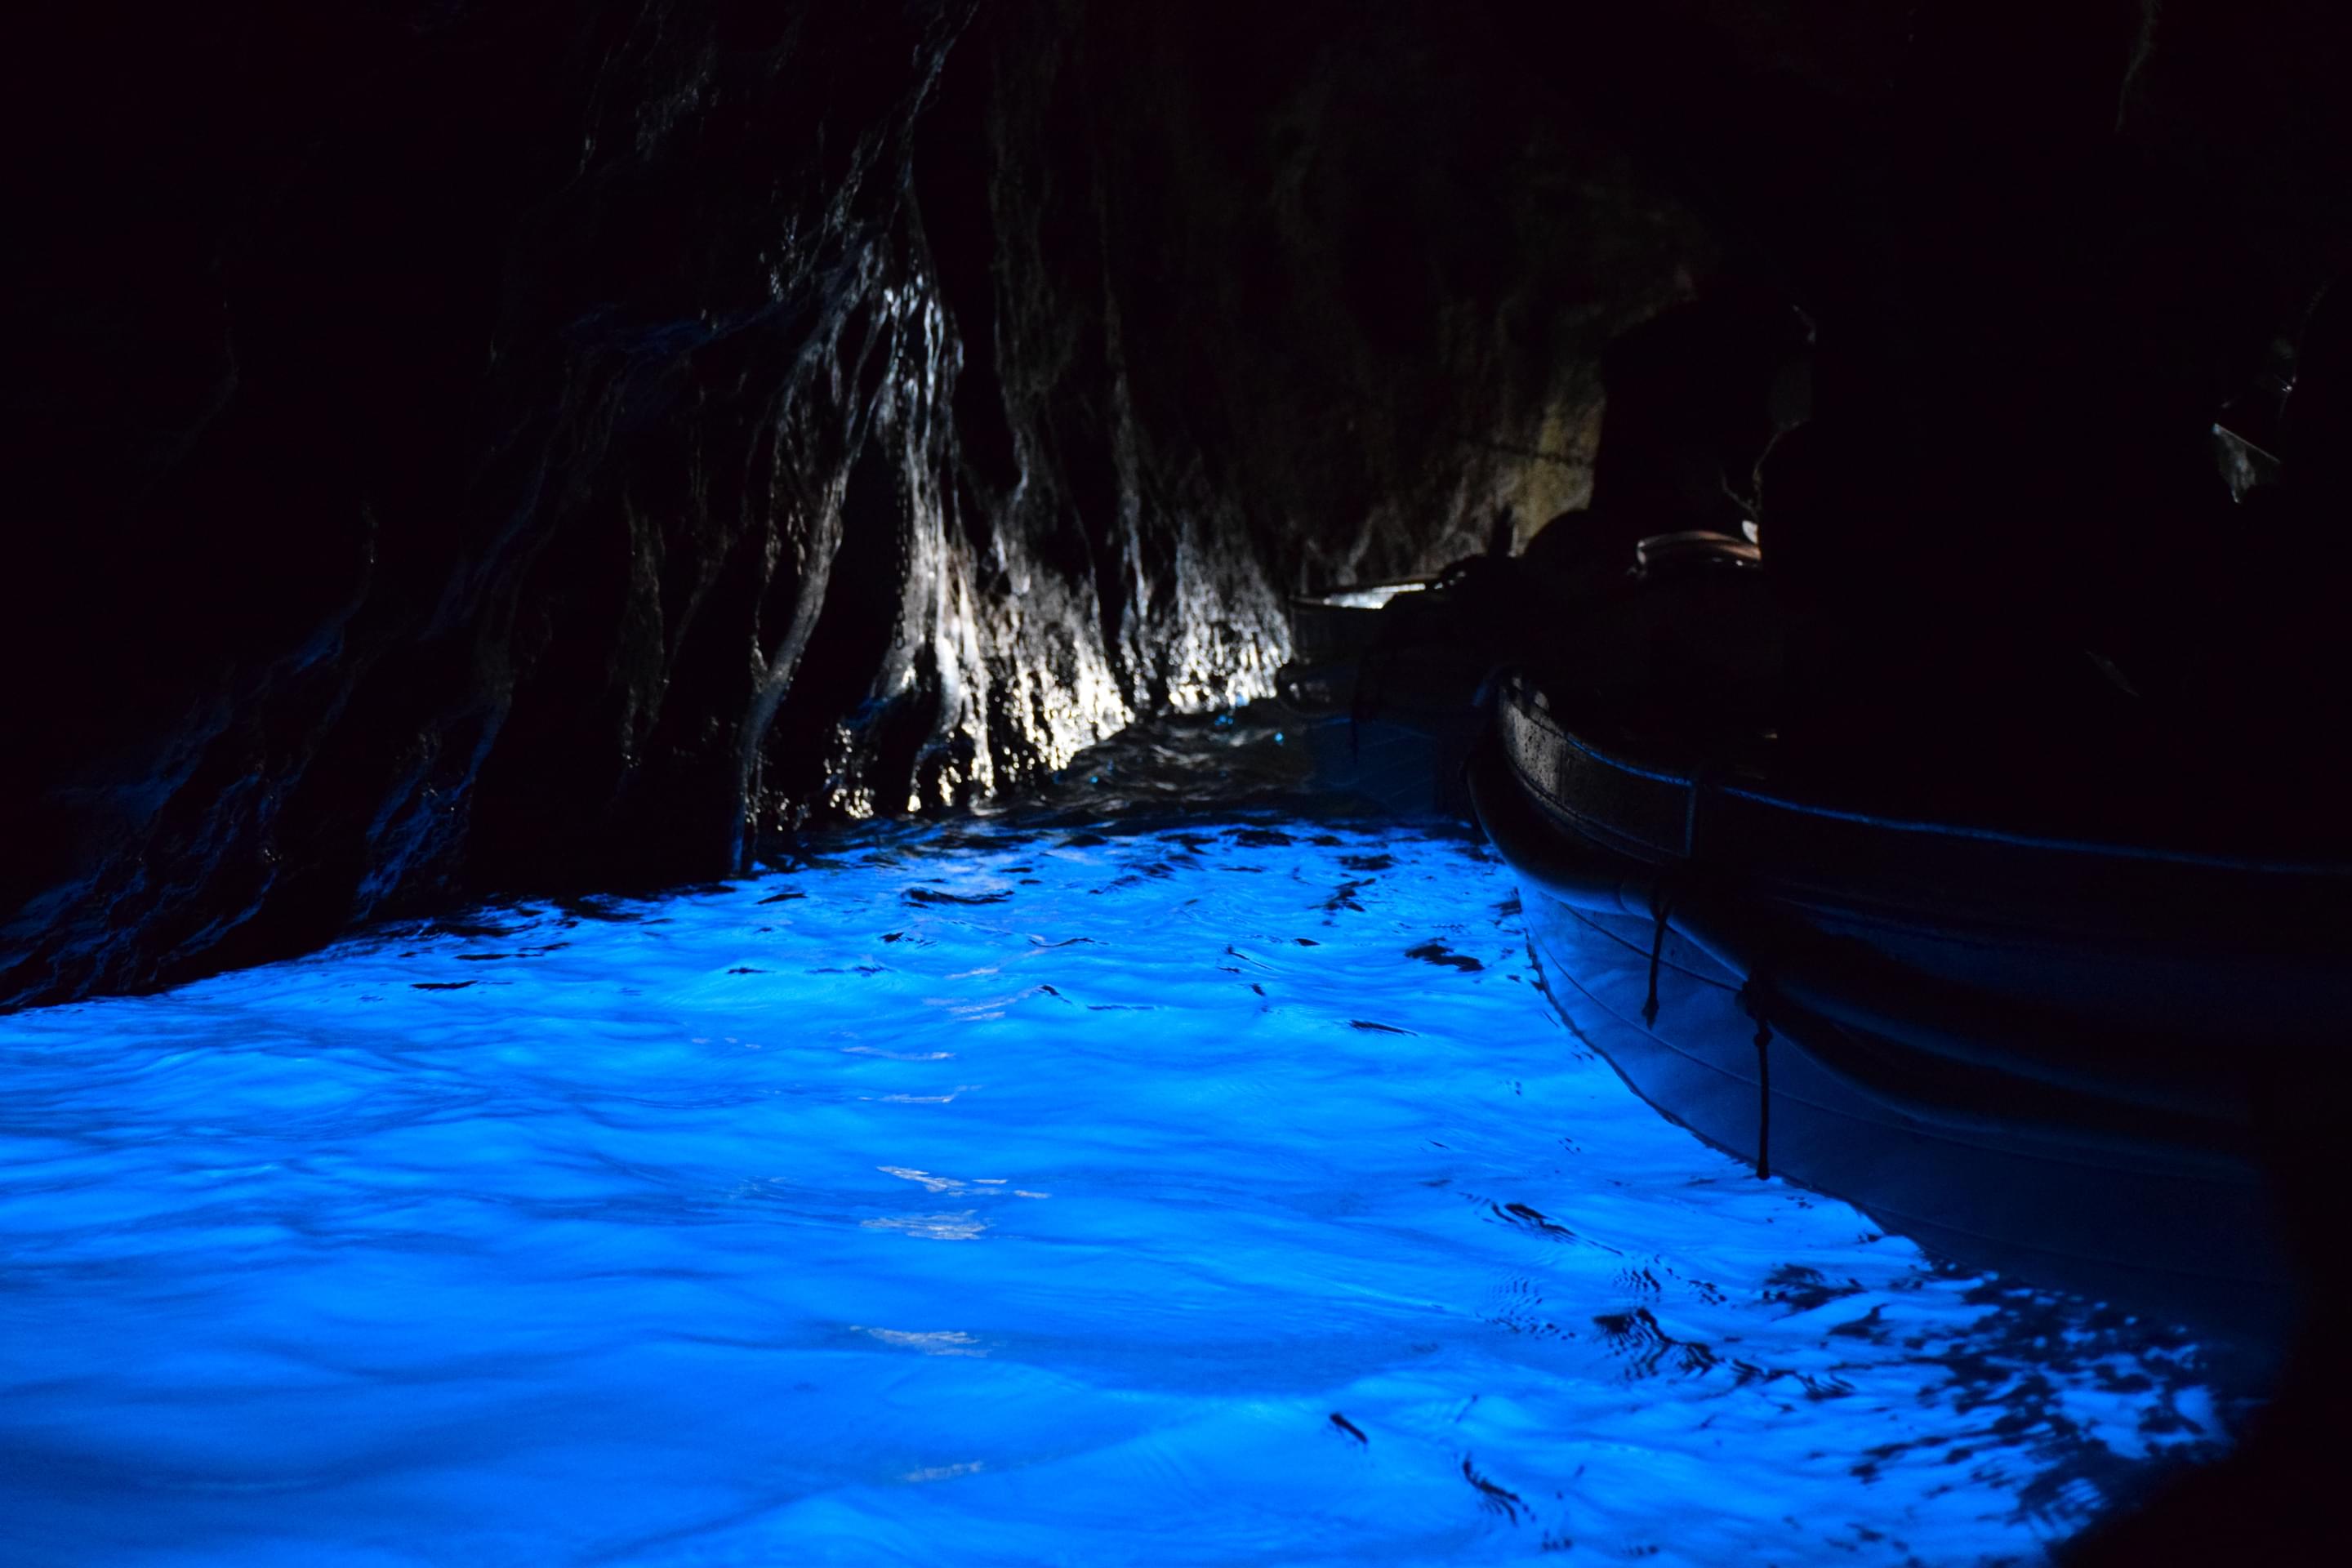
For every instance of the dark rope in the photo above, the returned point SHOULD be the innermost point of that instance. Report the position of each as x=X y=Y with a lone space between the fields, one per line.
x=1657 y=947
x=1750 y=997
x=1705 y=779
x=1700 y=782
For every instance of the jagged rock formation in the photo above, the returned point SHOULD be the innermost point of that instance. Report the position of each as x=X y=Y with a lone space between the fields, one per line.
x=458 y=446
x=551 y=445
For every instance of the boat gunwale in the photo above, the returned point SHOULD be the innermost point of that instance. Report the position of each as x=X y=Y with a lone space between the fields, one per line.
x=1696 y=783
x=1906 y=1006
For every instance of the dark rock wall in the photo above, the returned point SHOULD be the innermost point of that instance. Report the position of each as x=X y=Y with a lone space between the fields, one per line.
x=443 y=420
x=458 y=446
x=466 y=445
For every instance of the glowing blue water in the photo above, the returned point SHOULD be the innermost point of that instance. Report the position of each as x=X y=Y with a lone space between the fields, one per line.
x=989 y=1196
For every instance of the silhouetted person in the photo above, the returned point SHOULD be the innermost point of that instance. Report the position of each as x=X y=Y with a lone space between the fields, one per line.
x=2277 y=644
x=1691 y=408
x=1694 y=397
x=1902 y=674
x=2315 y=422
x=2274 y=712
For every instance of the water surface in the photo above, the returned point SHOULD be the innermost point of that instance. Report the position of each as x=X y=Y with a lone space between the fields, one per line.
x=994 y=1192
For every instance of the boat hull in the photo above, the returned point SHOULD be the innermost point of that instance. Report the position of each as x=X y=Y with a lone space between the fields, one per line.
x=2185 y=1236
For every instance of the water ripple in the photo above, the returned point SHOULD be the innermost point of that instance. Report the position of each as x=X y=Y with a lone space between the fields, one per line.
x=1287 y=1225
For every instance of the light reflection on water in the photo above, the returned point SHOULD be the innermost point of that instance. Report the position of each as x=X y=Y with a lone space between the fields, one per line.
x=992 y=1194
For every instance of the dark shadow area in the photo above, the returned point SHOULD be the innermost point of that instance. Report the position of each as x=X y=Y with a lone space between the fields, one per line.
x=458 y=451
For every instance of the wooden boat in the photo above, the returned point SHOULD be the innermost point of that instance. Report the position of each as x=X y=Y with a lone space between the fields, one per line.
x=1387 y=679
x=1340 y=626
x=2060 y=1056
x=1385 y=695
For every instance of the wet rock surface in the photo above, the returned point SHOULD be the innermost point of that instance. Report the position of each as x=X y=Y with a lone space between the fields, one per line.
x=459 y=447
x=552 y=446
